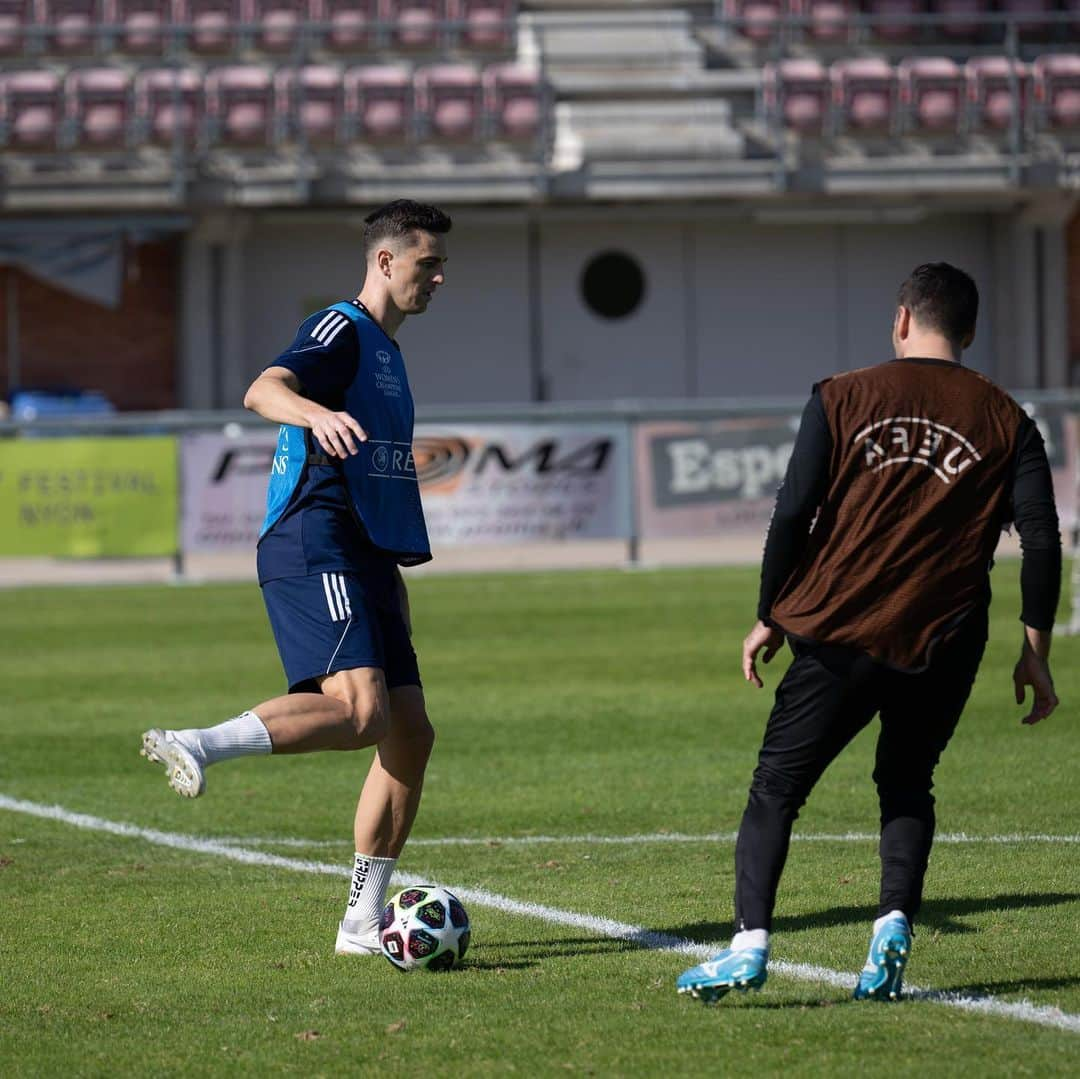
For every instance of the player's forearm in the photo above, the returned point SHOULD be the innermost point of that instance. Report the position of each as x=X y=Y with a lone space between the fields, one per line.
x=1038 y=640
x=274 y=400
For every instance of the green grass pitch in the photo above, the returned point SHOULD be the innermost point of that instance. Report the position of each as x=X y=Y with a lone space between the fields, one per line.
x=567 y=705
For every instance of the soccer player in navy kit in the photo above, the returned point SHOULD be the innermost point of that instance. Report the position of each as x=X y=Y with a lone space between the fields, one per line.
x=343 y=512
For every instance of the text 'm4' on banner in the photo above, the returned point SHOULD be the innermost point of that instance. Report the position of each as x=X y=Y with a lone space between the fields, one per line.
x=480 y=483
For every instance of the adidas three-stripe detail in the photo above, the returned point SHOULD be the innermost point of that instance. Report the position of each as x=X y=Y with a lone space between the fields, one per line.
x=337 y=597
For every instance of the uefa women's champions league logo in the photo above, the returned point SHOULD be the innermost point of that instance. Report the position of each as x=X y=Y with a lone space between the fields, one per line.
x=912 y=440
x=380 y=459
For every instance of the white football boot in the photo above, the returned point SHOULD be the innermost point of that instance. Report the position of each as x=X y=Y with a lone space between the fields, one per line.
x=357 y=938
x=183 y=764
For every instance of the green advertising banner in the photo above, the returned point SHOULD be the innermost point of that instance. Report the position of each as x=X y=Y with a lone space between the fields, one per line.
x=88 y=497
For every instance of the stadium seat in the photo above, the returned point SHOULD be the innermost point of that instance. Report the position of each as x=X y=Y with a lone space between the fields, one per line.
x=1056 y=91
x=309 y=103
x=239 y=105
x=864 y=93
x=962 y=18
x=757 y=19
x=99 y=107
x=796 y=94
x=212 y=24
x=141 y=24
x=72 y=24
x=30 y=109
x=512 y=100
x=350 y=23
x=997 y=91
x=169 y=105
x=279 y=21
x=448 y=100
x=932 y=93
x=486 y=24
x=828 y=20
x=378 y=102
x=417 y=24
x=894 y=20
x=15 y=15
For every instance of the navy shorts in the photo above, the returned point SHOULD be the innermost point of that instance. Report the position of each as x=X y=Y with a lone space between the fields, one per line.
x=331 y=622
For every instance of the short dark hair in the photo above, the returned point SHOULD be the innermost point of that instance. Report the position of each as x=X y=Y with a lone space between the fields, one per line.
x=942 y=298
x=398 y=219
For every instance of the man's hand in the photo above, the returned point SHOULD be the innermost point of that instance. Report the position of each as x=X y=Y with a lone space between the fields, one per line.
x=337 y=433
x=761 y=636
x=1032 y=669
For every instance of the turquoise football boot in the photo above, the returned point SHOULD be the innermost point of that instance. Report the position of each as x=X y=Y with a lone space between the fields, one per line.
x=883 y=976
x=741 y=970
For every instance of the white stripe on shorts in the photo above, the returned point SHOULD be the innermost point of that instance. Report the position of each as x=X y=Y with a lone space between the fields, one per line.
x=335 y=613
x=345 y=595
x=337 y=585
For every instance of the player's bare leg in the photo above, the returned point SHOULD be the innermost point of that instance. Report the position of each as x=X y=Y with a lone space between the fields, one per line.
x=384 y=817
x=352 y=712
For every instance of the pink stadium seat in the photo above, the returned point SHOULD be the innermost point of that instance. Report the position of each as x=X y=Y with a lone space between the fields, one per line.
x=962 y=18
x=309 y=102
x=30 y=109
x=1056 y=90
x=141 y=23
x=796 y=92
x=279 y=21
x=416 y=23
x=239 y=105
x=996 y=87
x=72 y=23
x=895 y=20
x=829 y=20
x=512 y=100
x=379 y=102
x=350 y=24
x=487 y=24
x=448 y=96
x=864 y=91
x=759 y=19
x=932 y=90
x=14 y=16
x=212 y=23
x=169 y=104
x=98 y=106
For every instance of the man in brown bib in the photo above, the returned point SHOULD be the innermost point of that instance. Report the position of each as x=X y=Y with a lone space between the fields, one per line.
x=876 y=571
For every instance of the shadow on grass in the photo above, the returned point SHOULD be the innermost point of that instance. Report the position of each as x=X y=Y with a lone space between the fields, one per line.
x=937 y=915
x=1018 y=985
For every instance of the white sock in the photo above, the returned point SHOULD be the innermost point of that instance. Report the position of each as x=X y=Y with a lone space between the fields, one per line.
x=750 y=938
x=367 y=893
x=889 y=917
x=244 y=736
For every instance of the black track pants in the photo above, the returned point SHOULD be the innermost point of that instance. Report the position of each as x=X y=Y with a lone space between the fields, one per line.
x=826 y=697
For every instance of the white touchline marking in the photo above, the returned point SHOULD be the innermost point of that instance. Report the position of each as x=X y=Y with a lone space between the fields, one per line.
x=630 y=840
x=1042 y=1014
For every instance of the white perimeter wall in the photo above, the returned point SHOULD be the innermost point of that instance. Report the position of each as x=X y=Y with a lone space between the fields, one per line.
x=732 y=308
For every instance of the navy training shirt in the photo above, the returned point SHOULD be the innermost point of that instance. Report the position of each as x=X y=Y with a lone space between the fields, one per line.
x=318 y=531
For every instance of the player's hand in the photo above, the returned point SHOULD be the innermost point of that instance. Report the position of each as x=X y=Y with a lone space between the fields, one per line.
x=1032 y=670
x=338 y=433
x=760 y=637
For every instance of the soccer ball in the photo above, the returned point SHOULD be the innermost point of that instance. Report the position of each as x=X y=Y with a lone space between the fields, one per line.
x=424 y=926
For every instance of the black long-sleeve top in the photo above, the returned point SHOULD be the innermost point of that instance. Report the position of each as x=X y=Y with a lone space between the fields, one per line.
x=1032 y=509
